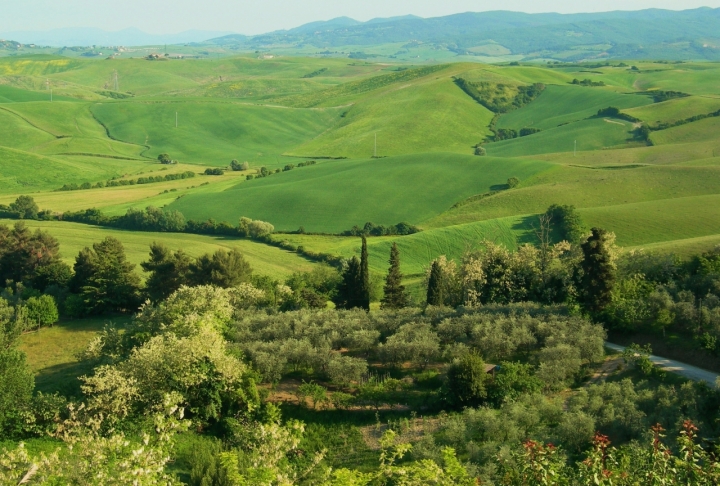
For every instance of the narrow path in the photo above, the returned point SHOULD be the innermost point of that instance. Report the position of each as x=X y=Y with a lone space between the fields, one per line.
x=682 y=369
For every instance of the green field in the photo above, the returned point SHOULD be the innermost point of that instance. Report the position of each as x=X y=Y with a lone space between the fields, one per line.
x=334 y=196
x=285 y=110
x=590 y=135
x=565 y=104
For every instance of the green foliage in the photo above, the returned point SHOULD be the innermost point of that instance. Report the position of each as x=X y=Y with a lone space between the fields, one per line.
x=25 y=256
x=41 y=311
x=168 y=271
x=566 y=220
x=513 y=182
x=223 y=269
x=500 y=98
x=105 y=280
x=435 y=294
x=467 y=381
x=394 y=292
x=215 y=172
x=350 y=293
x=511 y=380
x=598 y=271
x=165 y=159
x=25 y=207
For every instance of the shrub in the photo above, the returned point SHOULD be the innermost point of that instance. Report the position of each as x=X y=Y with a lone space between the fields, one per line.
x=25 y=207
x=480 y=151
x=42 y=310
x=513 y=182
x=215 y=172
x=288 y=167
x=529 y=131
x=467 y=381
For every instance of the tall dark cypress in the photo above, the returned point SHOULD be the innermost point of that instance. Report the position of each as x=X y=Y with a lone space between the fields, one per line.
x=598 y=273
x=364 y=290
x=395 y=296
x=434 y=291
x=348 y=291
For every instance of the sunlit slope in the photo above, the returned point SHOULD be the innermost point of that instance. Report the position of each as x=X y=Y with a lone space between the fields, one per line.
x=588 y=188
x=11 y=94
x=65 y=128
x=264 y=259
x=564 y=104
x=699 y=131
x=677 y=109
x=26 y=172
x=592 y=134
x=213 y=133
x=431 y=115
x=659 y=221
x=334 y=196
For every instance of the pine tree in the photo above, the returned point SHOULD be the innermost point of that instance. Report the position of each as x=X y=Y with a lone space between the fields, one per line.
x=434 y=291
x=598 y=272
x=168 y=271
x=364 y=289
x=111 y=284
x=395 y=296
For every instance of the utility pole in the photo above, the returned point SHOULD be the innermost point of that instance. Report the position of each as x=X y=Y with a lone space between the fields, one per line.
x=375 y=151
x=117 y=86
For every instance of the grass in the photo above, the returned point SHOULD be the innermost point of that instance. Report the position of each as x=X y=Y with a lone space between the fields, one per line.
x=565 y=104
x=699 y=131
x=421 y=248
x=592 y=134
x=334 y=196
x=430 y=115
x=588 y=188
x=214 y=133
x=52 y=353
x=657 y=221
x=264 y=259
x=677 y=109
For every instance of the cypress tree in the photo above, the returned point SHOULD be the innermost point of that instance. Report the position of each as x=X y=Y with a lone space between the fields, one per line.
x=395 y=296
x=598 y=273
x=434 y=291
x=364 y=288
x=348 y=291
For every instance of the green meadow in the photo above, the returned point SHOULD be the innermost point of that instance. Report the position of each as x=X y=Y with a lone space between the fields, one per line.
x=340 y=112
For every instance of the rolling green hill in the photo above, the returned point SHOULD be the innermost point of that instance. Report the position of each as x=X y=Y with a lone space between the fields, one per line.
x=429 y=116
x=592 y=134
x=564 y=104
x=334 y=196
x=213 y=133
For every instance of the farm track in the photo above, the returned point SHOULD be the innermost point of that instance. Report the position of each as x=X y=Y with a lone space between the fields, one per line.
x=682 y=369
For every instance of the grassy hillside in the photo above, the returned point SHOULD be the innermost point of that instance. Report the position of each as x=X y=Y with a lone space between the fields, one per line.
x=264 y=259
x=563 y=104
x=334 y=196
x=589 y=188
x=699 y=131
x=213 y=133
x=429 y=116
x=593 y=134
x=677 y=109
x=659 y=221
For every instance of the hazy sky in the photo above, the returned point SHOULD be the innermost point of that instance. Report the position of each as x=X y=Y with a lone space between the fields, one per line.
x=254 y=17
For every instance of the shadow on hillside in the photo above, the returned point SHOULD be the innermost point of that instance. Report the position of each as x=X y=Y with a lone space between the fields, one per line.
x=526 y=228
x=63 y=378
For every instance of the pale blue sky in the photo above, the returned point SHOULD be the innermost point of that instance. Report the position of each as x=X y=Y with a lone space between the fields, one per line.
x=254 y=17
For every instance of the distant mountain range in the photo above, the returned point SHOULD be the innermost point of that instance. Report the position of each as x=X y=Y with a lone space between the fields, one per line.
x=663 y=34
x=653 y=33
x=91 y=37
